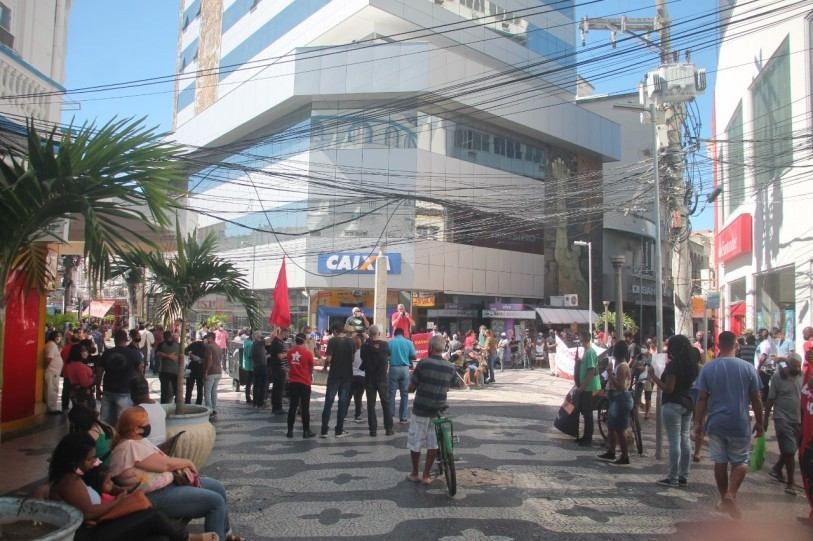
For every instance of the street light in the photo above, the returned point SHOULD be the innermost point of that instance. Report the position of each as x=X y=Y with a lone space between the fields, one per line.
x=589 y=277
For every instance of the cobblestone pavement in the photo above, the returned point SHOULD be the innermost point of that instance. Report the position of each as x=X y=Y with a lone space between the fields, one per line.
x=518 y=479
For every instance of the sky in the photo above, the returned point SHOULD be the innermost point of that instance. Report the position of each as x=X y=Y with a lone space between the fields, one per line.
x=116 y=41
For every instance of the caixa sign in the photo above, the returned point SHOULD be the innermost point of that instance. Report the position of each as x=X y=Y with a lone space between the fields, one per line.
x=356 y=263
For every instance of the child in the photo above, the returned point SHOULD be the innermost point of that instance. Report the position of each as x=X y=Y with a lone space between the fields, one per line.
x=99 y=479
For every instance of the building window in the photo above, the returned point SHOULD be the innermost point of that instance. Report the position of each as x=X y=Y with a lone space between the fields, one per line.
x=736 y=161
x=773 y=146
x=6 y=37
x=427 y=232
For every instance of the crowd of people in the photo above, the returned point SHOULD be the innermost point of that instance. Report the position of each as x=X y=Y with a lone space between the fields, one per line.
x=710 y=392
x=113 y=465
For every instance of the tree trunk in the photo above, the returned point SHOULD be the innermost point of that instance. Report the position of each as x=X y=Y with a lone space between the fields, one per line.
x=2 y=347
x=179 y=390
x=132 y=301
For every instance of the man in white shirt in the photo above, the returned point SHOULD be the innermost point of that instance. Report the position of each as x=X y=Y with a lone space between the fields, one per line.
x=147 y=344
x=765 y=361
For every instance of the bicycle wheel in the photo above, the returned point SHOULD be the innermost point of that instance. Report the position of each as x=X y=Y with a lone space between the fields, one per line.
x=602 y=412
x=635 y=424
x=449 y=473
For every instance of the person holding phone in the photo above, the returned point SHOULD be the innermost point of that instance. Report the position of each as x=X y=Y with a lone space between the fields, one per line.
x=401 y=319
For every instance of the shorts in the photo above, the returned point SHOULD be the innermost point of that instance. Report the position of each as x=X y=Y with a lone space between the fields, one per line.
x=729 y=450
x=421 y=434
x=788 y=436
x=618 y=414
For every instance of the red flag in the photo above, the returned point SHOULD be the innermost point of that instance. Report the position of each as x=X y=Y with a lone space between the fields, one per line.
x=281 y=313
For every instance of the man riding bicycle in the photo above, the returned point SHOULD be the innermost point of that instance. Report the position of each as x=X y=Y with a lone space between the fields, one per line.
x=430 y=380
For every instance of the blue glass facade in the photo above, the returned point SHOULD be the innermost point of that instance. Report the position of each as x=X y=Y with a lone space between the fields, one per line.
x=276 y=27
x=191 y=13
x=189 y=55
x=235 y=12
x=186 y=97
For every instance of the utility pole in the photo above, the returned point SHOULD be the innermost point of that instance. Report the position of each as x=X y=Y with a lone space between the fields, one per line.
x=663 y=94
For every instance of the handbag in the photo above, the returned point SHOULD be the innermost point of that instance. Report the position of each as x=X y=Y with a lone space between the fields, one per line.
x=132 y=503
x=567 y=420
x=185 y=477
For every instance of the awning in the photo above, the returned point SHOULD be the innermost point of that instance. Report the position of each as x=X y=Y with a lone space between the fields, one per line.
x=565 y=316
x=98 y=309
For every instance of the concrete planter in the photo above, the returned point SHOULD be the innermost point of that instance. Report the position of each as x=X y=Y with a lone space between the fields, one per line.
x=197 y=442
x=65 y=518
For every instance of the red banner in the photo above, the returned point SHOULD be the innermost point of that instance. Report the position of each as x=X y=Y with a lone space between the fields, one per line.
x=421 y=342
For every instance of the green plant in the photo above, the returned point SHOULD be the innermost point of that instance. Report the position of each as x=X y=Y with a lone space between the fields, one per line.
x=609 y=318
x=58 y=321
x=194 y=272
x=216 y=319
x=104 y=176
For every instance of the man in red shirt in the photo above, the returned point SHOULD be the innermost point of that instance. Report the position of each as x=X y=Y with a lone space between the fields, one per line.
x=402 y=320
x=300 y=377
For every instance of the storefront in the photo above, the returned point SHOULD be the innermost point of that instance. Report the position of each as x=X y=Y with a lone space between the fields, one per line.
x=511 y=319
x=775 y=300
x=734 y=246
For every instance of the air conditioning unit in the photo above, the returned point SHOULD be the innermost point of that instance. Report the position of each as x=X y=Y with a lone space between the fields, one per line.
x=571 y=299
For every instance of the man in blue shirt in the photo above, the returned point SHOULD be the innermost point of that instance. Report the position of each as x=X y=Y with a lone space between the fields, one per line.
x=402 y=353
x=727 y=386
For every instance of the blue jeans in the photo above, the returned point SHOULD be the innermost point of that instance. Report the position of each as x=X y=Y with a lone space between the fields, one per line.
x=187 y=502
x=677 y=420
x=210 y=391
x=112 y=406
x=342 y=387
x=399 y=380
x=492 y=360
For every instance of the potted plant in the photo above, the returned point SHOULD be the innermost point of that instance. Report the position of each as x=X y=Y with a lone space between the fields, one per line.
x=180 y=280
x=38 y=520
x=99 y=177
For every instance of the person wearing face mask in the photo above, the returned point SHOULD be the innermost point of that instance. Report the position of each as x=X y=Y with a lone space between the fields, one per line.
x=73 y=457
x=53 y=368
x=784 y=396
x=79 y=376
x=138 y=462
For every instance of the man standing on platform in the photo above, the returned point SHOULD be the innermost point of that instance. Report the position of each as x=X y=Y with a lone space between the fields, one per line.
x=402 y=320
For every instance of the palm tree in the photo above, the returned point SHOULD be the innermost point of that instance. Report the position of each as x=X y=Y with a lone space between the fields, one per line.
x=127 y=266
x=192 y=273
x=100 y=178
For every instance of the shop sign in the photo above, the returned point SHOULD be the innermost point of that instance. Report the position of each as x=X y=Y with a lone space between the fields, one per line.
x=452 y=312
x=509 y=314
x=501 y=306
x=423 y=300
x=713 y=300
x=644 y=290
x=355 y=263
x=735 y=239
x=698 y=306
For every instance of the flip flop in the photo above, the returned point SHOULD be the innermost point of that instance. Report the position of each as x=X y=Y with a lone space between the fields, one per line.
x=426 y=481
x=413 y=478
x=776 y=477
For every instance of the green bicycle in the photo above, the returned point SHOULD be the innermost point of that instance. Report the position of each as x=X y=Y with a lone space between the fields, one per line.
x=444 y=430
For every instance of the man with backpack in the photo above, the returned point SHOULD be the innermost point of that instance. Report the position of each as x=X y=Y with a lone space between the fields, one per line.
x=117 y=367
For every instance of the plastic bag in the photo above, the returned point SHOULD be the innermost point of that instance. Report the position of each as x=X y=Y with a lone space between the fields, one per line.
x=758 y=454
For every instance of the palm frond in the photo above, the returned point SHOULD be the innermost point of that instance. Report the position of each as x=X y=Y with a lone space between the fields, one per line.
x=120 y=171
x=194 y=272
